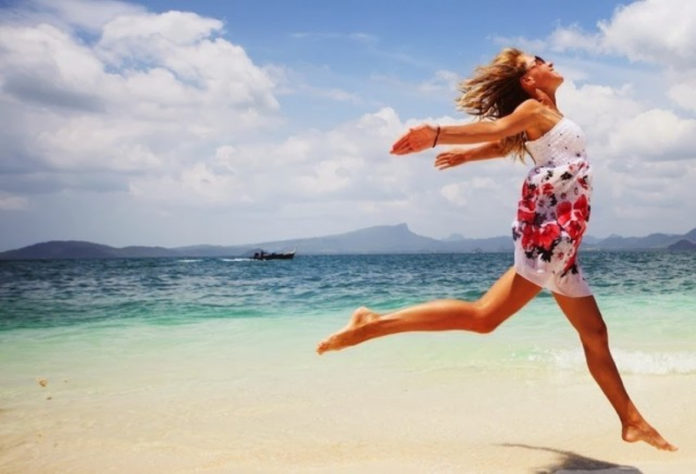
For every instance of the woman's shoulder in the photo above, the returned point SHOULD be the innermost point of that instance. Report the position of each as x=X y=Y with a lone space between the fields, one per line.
x=543 y=118
x=530 y=106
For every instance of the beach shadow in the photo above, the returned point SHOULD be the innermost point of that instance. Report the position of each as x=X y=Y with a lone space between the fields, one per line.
x=569 y=462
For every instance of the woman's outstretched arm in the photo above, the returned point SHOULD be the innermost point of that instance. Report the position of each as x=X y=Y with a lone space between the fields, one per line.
x=458 y=156
x=427 y=136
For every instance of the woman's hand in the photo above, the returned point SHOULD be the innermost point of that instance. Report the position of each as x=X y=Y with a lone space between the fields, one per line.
x=416 y=139
x=451 y=158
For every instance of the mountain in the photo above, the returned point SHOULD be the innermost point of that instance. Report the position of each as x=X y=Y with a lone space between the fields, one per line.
x=378 y=239
x=683 y=244
x=371 y=240
x=691 y=235
x=79 y=249
x=652 y=241
x=454 y=238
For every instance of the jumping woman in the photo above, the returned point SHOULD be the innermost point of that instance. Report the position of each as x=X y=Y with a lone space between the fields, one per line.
x=516 y=96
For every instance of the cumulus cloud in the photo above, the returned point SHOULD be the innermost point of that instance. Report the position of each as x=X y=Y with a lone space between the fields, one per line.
x=643 y=150
x=655 y=134
x=165 y=110
x=310 y=165
x=656 y=31
x=660 y=31
x=345 y=178
x=682 y=90
x=148 y=95
x=455 y=193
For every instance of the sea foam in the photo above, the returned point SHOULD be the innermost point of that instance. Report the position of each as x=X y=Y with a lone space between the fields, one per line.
x=630 y=362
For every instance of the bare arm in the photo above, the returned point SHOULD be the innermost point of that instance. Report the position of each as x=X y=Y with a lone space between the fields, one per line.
x=458 y=156
x=424 y=136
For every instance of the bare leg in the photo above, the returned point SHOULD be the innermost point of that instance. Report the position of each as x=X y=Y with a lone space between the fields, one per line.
x=510 y=293
x=585 y=316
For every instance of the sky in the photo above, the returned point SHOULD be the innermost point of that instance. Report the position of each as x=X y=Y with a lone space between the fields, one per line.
x=178 y=123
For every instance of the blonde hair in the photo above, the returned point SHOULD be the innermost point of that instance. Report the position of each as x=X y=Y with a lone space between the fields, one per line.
x=495 y=91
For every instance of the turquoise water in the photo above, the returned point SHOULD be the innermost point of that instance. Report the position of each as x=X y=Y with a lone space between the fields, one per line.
x=80 y=308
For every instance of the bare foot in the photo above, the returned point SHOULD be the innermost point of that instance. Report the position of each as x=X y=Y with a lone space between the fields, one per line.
x=642 y=431
x=349 y=335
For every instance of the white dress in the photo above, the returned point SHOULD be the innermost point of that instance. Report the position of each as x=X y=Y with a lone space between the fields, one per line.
x=554 y=210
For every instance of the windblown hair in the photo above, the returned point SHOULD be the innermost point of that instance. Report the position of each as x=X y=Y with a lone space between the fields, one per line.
x=495 y=91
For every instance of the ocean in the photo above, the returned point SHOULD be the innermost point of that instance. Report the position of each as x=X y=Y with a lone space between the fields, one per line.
x=80 y=309
x=189 y=365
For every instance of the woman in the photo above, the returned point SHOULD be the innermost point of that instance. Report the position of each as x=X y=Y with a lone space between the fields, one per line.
x=517 y=93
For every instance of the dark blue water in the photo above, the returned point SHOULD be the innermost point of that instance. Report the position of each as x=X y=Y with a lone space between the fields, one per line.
x=170 y=291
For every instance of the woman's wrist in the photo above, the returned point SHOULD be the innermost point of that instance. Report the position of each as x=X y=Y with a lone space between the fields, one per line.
x=437 y=135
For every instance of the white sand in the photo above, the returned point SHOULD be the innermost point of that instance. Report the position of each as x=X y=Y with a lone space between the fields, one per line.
x=339 y=413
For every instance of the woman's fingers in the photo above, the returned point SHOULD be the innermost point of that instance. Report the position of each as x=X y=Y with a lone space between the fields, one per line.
x=447 y=160
x=402 y=145
x=416 y=139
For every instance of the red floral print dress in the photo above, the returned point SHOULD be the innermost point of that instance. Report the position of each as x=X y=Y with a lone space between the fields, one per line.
x=554 y=210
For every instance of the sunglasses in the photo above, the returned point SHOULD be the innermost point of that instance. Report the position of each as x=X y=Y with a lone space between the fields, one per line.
x=538 y=61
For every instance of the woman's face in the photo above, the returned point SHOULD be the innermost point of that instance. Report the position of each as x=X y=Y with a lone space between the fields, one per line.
x=540 y=74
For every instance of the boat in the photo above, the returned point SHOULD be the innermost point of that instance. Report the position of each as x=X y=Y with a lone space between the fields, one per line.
x=261 y=255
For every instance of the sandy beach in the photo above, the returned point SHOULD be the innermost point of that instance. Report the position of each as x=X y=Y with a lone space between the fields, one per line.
x=194 y=407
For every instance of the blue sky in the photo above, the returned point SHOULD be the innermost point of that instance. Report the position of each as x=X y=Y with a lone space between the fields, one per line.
x=176 y=123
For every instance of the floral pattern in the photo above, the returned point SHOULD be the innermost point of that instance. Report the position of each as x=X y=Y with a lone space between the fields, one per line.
x=554 y=208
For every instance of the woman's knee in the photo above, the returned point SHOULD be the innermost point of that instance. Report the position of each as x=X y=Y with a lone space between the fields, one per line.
x=485 y=319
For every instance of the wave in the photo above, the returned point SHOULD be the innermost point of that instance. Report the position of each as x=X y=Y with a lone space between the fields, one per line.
x=629 y=362
x=235 y=259
x=189 y=260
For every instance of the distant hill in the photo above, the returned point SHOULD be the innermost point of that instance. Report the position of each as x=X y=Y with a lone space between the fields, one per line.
x=80 y=249
x=652 y=241
x=683 y=244
x=371 y=240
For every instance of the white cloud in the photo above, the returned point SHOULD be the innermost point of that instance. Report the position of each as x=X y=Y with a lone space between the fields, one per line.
x=329 y=175
x=195 y=185
x=184 y=123
x=154 y=92
x=455 y=193
x=656 y=31
x=598 y=108
x=660 y=31
x=619 y=125
x=10 y=202
x=144 y=34
x=573 y=37
x=444 y=82
x=317 y=36
x=655 y=134
x=68 y=14
x=310 y=165
x=332 y=93
x=683 y=91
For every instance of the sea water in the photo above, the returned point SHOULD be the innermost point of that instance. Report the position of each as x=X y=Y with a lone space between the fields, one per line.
x=181 y=365
x=68 y=316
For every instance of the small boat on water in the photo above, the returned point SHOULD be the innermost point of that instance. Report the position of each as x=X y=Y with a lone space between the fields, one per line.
x=273 y=255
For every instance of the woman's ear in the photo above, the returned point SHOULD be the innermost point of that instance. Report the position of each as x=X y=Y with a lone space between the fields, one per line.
x=527 y=82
